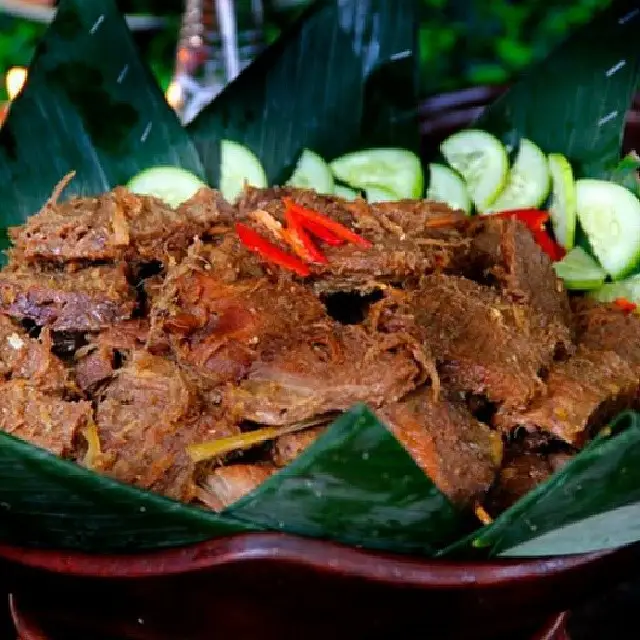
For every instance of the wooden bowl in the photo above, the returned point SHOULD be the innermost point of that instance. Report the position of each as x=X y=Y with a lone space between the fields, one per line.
x=278 y=586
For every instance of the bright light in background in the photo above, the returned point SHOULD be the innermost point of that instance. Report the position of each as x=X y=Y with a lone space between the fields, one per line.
x=174 y=95
x=14 y=81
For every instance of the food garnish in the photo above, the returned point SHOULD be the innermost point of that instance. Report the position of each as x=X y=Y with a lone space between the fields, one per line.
x=270 y=252
x=339 y=230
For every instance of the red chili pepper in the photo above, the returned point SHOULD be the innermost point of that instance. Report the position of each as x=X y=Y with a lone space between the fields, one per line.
x=300 y=241
x=331 y=225
x=625 y=305
x=320 y=232
x=260 y=245
x=533 y=218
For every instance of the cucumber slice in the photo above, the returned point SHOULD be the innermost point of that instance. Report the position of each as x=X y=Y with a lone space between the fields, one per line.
x=628 y=289
x=239 y=166
x=446 y=186
x=396 y=170
x=610 y=217
x=563 y=200
x=378 y=194
x=312 y=172
x=580 y=271
x=170 y=184
x=345 y=192
x=528 y=181
x=481 y=159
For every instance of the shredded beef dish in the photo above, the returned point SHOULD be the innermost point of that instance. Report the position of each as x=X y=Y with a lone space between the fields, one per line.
x=136 y=339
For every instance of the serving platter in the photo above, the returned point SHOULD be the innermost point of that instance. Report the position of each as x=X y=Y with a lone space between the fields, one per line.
x=234 y=582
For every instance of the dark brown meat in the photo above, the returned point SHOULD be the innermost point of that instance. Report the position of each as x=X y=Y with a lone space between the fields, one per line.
x=226 y=485
x=30 y=359
x=506 y=251
x=218 y=328
x=287 y=448
x=146 y=417
x=112 y=347
x=582 y=394
x=324 y=368
x=117 y=225
x=460 y=454
x=518 y=476
x=46 y=421
x=482 y=341
x=403 y=245
x=604 y=327
x=86 y=300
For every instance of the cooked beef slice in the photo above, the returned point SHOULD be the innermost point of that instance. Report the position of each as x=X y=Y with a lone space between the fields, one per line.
x=44 y=420
x=86 y=300
x=114 y=226
x=506 y=251
x=460 y=454
x=218 y=329
x=606 y=327
x=288 y=447
x=401 y=247
x=483 y=342
x=146 y=417
x=31 y=359
x=96 y=362
x=581 y=395
x=226 y=485
x=324 y=368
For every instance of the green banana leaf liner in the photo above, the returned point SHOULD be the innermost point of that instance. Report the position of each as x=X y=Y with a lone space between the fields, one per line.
x=354 y=65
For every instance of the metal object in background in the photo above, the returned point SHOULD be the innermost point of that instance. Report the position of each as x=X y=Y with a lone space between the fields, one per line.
x=218 y=39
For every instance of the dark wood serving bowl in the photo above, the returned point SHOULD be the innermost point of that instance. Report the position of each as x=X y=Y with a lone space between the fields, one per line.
x=278 y=586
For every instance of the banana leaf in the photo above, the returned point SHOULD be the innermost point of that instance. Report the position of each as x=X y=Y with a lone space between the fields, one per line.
x=575 y=101
x=89 y=105
x=356 y=484
x=344 y=77
x=591 y=504
x=53 y=503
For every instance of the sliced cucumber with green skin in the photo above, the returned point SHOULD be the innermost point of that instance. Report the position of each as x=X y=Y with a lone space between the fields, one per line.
x=579 y=271
x=377 y=194
x=481 y=159
x=628 y=289
x=345 y=192
x=610 y=217
x=170 y=184
x=528 y=180
x=563 y=200
x=446 y=186
x=239 y=166
x=312 y=172
x=396 y=170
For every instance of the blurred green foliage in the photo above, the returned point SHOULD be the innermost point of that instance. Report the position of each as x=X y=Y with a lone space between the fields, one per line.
x=470 y=42
x=463 y=42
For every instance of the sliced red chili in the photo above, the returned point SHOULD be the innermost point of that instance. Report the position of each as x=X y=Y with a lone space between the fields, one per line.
x=300 y=241
x=320 y=232
x=533 y=218
x=625 y=305
x=260 y=245
x=548 y=244
x=331 y=225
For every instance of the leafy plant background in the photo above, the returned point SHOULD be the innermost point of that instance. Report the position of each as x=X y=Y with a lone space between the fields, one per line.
x=463 y=42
